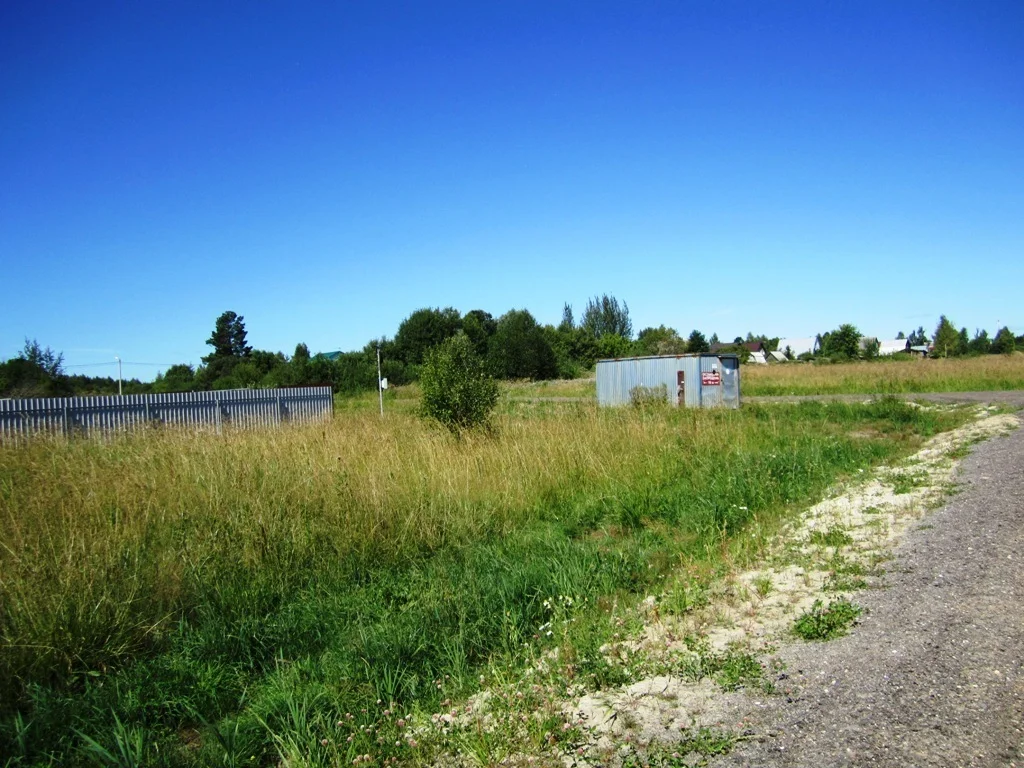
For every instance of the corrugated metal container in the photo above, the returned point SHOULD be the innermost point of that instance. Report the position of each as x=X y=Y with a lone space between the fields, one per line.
x=696 y=381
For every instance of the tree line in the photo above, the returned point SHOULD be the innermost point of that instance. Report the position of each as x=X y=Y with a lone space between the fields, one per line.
x=511 y=346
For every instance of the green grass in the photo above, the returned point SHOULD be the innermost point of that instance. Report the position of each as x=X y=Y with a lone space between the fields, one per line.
x=405 y=399
x=573 y=388
x=189 y=600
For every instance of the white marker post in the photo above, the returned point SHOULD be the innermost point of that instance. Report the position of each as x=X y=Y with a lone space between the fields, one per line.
x=380 y=383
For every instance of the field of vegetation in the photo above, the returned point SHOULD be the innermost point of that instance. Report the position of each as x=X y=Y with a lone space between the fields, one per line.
x=955 y=374
x=313 y=595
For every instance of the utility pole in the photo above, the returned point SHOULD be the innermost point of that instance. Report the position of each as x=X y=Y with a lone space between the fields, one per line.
x=380 y=383
x=118 y=375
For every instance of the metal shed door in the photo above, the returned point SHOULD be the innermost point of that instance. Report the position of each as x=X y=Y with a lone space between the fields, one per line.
x=730 y=382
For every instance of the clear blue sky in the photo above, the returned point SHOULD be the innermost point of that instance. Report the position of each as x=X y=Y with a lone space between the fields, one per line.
x=324 y=169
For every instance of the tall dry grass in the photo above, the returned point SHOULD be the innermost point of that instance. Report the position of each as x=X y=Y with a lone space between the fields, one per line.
x=105 y=543
x=988 y=372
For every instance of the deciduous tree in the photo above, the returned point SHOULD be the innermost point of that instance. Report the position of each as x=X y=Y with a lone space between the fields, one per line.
x=1004 y=342
x=479 y=326
x=457 y=392
x=423 y=329
x=177 y=378
x=843 y=342
x=660 y=341
x=519 y=349
x=981 y=344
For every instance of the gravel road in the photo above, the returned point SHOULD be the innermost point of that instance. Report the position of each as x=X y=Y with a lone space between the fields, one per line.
x=934 y=674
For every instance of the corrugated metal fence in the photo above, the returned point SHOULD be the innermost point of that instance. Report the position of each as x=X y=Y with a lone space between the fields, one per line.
x=231 y=407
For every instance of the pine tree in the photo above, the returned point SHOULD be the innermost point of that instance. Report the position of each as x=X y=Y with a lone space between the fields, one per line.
x=697 y=343
x=604 y=316
x=567 y=323
x=228 y=338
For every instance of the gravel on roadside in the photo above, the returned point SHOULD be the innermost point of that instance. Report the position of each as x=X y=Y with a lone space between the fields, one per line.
x=934 y=673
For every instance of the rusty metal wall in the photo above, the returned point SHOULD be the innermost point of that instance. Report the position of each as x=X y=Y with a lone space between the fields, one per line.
x=233 y=407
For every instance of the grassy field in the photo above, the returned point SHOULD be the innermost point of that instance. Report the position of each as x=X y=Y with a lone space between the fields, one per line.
x=582 y=388
x=271 y=598
x=988 y=372
x=405 y=399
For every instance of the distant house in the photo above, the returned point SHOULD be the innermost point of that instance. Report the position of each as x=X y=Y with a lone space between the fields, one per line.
x=921 y=350
x=797 y=347
x=777 y=357
x=885 y=347
x=755 y=348
x=893 y=347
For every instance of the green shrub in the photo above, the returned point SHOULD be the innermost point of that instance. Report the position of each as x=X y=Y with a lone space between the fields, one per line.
x=456 y=390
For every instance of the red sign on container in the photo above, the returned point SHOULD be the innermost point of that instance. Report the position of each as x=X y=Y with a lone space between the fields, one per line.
x=710 y=378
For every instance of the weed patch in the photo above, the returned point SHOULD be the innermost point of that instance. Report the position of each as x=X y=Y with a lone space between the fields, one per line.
x=908 y=482
x=833 y=537
x=846 y=576
x=691 y=750
x=826 y=622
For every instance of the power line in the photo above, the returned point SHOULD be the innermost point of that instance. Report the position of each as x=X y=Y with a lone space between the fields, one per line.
x=114 y=362
x=127 y=362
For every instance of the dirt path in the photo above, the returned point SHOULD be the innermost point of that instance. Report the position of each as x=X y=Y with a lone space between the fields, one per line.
x=934 y=674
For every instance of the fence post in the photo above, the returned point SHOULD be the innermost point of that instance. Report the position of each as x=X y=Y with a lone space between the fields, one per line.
x=216 y=400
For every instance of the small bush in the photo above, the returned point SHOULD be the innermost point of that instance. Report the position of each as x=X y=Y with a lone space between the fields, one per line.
x=456 y=390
